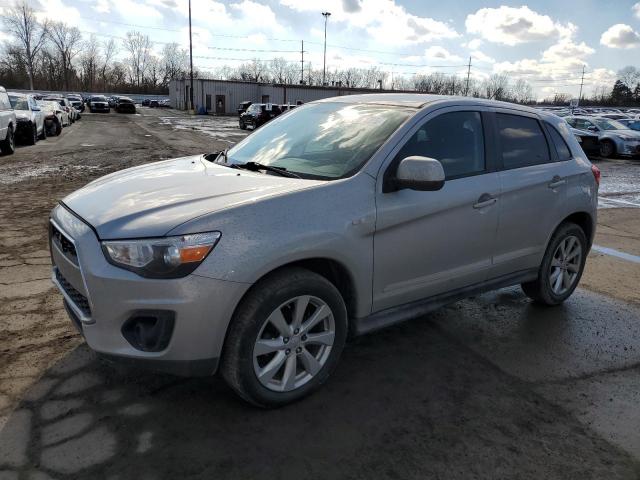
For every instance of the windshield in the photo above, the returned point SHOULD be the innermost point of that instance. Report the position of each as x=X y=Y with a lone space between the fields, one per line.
x=323 y=140
x=609 y=124
x=98 y=99
x=19 y=103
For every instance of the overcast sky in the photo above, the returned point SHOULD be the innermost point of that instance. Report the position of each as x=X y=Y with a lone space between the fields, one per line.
x=546 y=42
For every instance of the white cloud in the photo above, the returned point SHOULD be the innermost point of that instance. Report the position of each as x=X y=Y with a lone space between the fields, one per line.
x=512 y=26
x=255 y=16
x=620 y=36
x=384 y=20
x=478 y=56
x=102 y=6
x=474 y=44
x=441 y=53
x=57 y=11
x=567 y=49
x=636 y=9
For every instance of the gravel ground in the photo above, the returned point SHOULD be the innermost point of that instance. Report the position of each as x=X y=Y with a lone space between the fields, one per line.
x=491 y=387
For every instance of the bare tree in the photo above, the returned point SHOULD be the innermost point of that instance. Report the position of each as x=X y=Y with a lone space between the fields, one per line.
x=629 y=76
x=89 y=60
x=496 y=87
x=110 y=49
x=139 y=48
x=67 y=41
x=175 y=62
x=21 y=22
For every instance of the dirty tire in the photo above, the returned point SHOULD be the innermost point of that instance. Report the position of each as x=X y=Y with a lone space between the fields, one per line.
x=237 y=367
x=8 y=145
x=243 y=126
x=33 y=138
x=58 y=128
x=540 y=290
x=43 y=135
x=607 y=149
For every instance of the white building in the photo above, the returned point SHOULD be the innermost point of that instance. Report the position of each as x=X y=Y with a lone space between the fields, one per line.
x=222 y=97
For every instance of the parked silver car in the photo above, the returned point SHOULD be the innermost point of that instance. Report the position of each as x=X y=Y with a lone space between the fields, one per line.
x=615 y=137
x=343 y=215
x=29 y=118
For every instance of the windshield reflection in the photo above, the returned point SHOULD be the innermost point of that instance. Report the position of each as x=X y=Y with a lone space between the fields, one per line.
x=326 y=140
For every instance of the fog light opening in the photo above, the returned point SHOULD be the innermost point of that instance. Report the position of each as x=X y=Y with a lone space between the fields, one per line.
x=149 y=331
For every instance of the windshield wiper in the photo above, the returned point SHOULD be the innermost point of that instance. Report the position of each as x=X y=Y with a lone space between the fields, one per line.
x=255 y=166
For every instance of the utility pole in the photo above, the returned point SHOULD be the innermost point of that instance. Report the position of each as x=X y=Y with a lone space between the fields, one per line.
x=581 y=84
x=466 y=89
x=190 y=61
x=326 y=16
x=302 y=64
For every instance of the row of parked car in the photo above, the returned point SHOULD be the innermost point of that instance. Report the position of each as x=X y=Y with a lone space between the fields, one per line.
x=256 y=114
x=605 y=132
x=27 y=118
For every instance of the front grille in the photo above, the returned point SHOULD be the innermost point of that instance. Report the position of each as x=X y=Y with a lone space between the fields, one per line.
x=76 y=297
x=67 y=248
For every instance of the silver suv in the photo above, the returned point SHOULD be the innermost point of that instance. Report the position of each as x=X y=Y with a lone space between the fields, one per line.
x=340 y=217
x=7 y=124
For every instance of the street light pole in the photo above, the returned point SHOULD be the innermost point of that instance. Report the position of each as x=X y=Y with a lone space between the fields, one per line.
x=326 y=16
x=190 y=61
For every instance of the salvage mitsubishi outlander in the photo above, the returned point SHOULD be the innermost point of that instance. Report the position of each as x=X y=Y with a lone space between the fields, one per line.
x=337 y=218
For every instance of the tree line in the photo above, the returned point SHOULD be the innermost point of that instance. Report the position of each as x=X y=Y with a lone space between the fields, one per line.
x=48 y=55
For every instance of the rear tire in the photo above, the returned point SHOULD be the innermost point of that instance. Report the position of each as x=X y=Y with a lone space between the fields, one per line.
x=8 y=145
x=607 y=149
x=561 y=268
x=298 y=360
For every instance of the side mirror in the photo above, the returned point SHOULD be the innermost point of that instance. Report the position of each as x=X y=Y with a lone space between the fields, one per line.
x=419 y=173
x=35 y=108
x=592 y=128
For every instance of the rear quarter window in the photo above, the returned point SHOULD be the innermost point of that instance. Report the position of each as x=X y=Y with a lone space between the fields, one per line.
x=522 y=142
x=559 y=143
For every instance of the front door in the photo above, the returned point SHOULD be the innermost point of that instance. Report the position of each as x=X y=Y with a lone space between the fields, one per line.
x=428 y=243
x=220 y=105
x=207 y=101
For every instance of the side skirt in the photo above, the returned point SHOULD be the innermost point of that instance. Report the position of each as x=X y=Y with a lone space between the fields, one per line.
x=391 y=316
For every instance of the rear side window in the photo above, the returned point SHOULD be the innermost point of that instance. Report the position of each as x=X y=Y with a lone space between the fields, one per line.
x=455 y=139
x=563 y=150
x=521 y=141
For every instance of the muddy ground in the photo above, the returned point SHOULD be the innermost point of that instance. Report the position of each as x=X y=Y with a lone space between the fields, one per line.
x=491 y=387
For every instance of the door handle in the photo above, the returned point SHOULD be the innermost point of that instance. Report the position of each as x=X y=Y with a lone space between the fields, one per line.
x=485 y=200
x=556 y=182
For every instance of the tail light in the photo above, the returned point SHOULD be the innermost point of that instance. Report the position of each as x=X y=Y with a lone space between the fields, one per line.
x=596 y=174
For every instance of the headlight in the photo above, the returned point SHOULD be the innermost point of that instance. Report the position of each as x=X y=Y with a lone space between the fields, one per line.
x=168 y=257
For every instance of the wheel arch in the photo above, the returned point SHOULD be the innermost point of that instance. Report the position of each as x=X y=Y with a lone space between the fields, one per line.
x=584 y=220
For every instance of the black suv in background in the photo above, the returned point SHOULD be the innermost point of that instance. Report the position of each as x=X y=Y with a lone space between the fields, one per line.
x=125 y=105
x=243 y=106
x=258 y=114
x=99 y=103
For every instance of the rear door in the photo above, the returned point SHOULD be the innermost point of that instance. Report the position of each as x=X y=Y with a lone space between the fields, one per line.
x=427 y=243
x=533 y=191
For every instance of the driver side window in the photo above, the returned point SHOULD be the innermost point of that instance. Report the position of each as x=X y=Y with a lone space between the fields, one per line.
x=455 y=139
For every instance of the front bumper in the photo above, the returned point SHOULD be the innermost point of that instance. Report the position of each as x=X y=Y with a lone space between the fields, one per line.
x=630 y=148
x=102 y=298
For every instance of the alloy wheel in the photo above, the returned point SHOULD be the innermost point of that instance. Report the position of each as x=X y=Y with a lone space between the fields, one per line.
x=565 y=266
x=294 y=343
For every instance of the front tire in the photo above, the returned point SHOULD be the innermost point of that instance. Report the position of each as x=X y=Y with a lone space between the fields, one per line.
x=285 y=338
x=33 y=138
x=561 y=268
x=8 y=145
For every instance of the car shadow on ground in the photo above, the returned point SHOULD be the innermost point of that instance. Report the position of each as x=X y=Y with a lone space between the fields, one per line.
x=407 y=402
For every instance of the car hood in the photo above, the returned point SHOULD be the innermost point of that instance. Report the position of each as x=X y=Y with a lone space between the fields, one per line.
x=23 y=115
x=151 y=200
